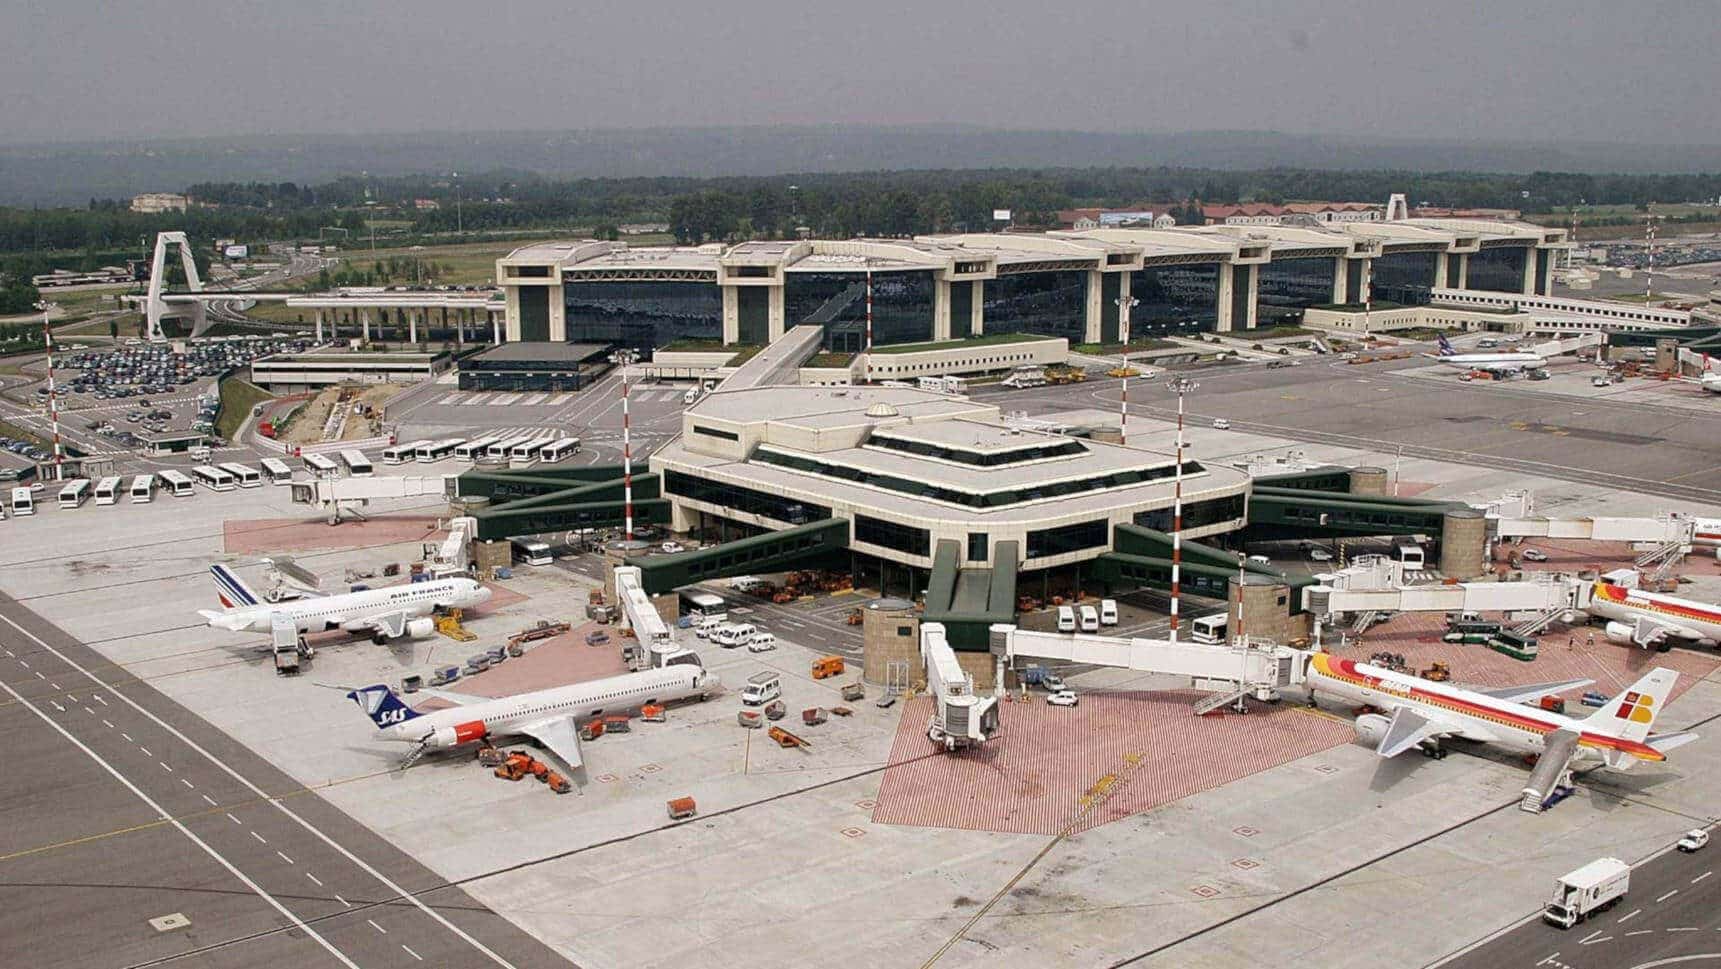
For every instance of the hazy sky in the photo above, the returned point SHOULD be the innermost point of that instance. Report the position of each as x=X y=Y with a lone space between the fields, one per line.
x=1602 y=71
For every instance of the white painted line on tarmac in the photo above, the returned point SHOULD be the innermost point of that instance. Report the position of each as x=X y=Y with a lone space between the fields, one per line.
x=314 y=878
x=209 y=799
x=164 y=766
x=170 y=819
x=226 y=768
x=285 y=858
x=376 y=926
x=1634 y=913
x=1641 y=932
x=1701 y=877
x=89 y=711
x=53 y=684
x=344 y=902
x=1667 y=896
x=39 y=675
x=188 y=785
x=56 y=706
x=98 y=698
x=24 y=664
x=108 y=724
x=409 y=952
x=127 y=737
x=256 y=835
x=235 y=820
x=145 y=750
x=1683 y=928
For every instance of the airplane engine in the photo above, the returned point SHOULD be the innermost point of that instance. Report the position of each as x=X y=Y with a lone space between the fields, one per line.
x=420 y=628
x=1621 y=632
x=458 y=734
x=1371 y=728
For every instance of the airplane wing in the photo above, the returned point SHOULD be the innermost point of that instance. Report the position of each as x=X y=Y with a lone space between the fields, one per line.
x=1530 y=691
x=559 y=736
x=1670 y=741
x=1409 y=728
x=458 y=699
x=391 y=624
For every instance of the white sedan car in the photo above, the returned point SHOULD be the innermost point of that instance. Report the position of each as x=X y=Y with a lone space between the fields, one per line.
x=1221 y=424
x=1694 y=839
x=670 y=548
x=1063 y=698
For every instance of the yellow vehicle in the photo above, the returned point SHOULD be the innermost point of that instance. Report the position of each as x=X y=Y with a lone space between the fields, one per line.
x=1123 y=372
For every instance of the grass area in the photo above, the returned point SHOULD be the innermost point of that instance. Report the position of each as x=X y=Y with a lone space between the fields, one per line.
x=1275 y=333
x=1133 y=346
x=830 y=360
x=237 y=399
x=18 y=433
x=990 y=339
x=743 y=352
x=1379 y=304
x=282 y=313
x=468 y=263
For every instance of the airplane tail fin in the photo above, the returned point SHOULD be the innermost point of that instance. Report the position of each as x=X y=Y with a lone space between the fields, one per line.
x=231 y=589
x=382 y=706
x=1446 y=347
x=1629 y=715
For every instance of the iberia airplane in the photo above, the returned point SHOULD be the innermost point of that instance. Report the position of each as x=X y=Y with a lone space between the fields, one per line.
x=1662 y=617
x=1421 y=713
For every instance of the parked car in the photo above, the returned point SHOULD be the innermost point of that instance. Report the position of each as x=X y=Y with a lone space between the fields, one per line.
x=1319 y=554
x=1221 y=424
x=670 y=548
x=1063 y=698
x=1535 y=555
x=1694 y=840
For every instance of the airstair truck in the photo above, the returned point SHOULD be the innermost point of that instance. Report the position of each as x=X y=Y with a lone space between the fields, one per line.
x=1596 y=887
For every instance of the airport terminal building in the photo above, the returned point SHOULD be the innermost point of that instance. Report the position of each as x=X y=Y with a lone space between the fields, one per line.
x=1096 y=286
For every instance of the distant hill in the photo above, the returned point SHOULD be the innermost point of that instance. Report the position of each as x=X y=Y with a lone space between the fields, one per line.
x=71 y=173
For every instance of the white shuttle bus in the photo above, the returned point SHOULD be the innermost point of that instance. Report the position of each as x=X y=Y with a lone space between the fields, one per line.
x=177 y=483
x=428 y=451
x=213 y=478
x=561 y=450
x=244 y=475
x=532 y=552
x=473 y=450
x=277 y=471
x=500 y=450
x=321 y=467
x=358 y=466
x=108 y=491
x=528 y=450
x=1209 y=629
x=143 y=489
x=75 y=493
x=401 y=453
x=23 y=502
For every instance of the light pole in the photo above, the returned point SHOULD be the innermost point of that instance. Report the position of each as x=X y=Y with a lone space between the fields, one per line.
x=47 y=309
x=626 y=358
x=1123 y=305
x=1179 y=386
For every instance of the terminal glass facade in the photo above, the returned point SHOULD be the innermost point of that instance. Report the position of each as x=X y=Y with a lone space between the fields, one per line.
x=1500 y=269
x=1044 y=303
x=642 y=313
x=1047 y=542
x=744 y=499
x=897 y=537
x=901 y=307
x=1405 y=278
x=1286 y=287
x=1175 y=300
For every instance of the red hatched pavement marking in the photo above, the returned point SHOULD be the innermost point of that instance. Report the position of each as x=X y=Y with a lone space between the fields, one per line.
x=1032 y=777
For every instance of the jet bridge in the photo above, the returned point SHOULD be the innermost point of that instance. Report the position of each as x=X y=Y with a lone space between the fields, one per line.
x=1231 y=671
x=1376 y=584
x=348 y=494
x=1514 y=516
x=650 y=631
x=960 y=717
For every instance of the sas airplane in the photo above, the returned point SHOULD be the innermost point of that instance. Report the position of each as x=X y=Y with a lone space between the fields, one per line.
x=1421 y=713
x=549 y=717
x=1507 y=362
x=398 y=610
x=1645 y=618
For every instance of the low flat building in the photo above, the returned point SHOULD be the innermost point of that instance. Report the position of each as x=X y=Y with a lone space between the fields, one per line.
x=289 y=372
x=536 y=366
x=910 y=468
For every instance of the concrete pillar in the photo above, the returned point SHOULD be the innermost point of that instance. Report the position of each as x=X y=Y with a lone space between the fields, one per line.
x=459 y=327
x=1096 y=291
x=776 y=313
x=412 y=326
x=1368 y=481
x=941 y=309
x=1223 y=295
x=1441 y=261
x=365 y=316
x=1464 y=270
x=558 y=315
x=495 y=330
x=1529 y=286
x=319 y=326
x=732 y=315
x=1341 y=268
x=1463 y=543
x=1254 y=294
x=977 y=309
x=1123 y=281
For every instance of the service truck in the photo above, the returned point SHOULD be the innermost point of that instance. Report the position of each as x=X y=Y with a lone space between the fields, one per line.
x=1593 y=888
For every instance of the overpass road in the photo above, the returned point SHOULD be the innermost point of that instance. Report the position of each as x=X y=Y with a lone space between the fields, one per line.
x=121 y=808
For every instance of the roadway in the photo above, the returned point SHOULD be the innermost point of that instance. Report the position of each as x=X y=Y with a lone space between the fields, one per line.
x=121 y=807
x=1655 y=449
x=1670 y=916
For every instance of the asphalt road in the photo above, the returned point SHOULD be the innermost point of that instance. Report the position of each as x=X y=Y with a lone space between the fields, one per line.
x=120 y=807
x=1656 y=449
x=1671 y=913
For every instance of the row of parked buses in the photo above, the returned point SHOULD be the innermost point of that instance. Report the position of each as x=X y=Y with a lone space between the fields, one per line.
x=144 y=487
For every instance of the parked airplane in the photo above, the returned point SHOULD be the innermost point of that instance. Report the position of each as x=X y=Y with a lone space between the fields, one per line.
x=399 y=610
x=1662 y=617
x=547 y=716
x=1421 y=713
x=1508 y=362
x=1708 y=530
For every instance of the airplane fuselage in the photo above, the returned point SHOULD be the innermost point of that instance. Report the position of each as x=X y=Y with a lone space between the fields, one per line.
x=1476 y=716
x=1695 y=619
x=1493 y=361
x=350 y=609
x=615 y=694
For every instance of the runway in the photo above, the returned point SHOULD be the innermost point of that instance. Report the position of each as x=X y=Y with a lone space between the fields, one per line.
x=121 y=808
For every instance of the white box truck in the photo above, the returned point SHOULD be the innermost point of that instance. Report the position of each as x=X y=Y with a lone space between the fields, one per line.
x=1595 y=887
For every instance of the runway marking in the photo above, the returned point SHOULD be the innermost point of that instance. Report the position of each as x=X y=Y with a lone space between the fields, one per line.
x=1641 y=932
x=314 y=878
x=162 y=813
x=1634 y=913
x=361 y=864
x=24 y=664
x=164 y=766
x=39 y=675
x=284 y=857
x=1667 y=896
x=108 y=724
x=98 y=698
x=56 y=706
x=235 y=820
x=51 y=683
x=1682 y=928
x=254 y=834
x=1701 y=877
x=1586 y=940
x=188 y=785
x=409 y=952
x=145 y=750
x=344 y=902
x=209 y=799
x=376 y=926
x=89 y=711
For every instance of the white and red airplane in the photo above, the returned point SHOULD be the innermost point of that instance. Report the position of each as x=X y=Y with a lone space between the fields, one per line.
x=1645 y=618
x=1421 y=713
x=549 y=717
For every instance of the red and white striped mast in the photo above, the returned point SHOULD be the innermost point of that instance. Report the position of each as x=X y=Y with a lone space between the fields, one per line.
x=53 y=397
x=1649 y=274
x=869 y=311
x=626 y=451
x=1179 y=386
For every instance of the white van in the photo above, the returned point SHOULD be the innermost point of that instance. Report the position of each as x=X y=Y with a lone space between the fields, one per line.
x=761 y=643
x=1260 y=560
x=1090 y=619
x=1066 y=619
x=689 y=397
x=706 y=627
x=730 y=637
x=23 y=502
x=761 y=688
x=745 y=583
x=1108 y=612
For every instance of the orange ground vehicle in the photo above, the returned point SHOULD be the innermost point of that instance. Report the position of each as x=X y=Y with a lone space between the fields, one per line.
x=558 y=783
x=514 y=768
x=827 y=666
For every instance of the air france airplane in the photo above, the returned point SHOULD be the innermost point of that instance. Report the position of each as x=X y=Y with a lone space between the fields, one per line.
x=398 y=610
